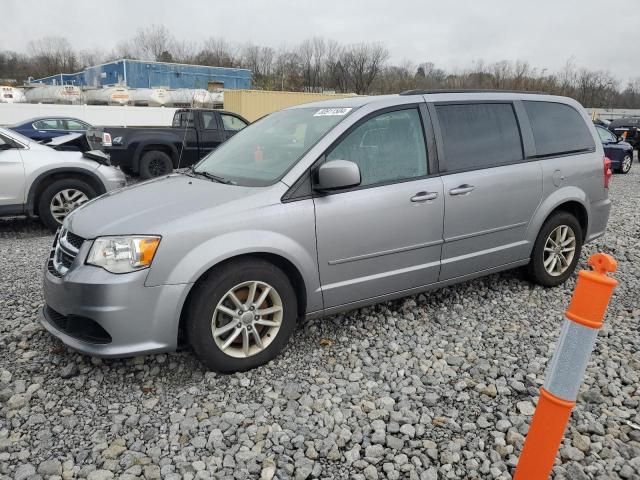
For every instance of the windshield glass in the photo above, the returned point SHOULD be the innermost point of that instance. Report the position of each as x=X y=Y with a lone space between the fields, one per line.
x=261 y=153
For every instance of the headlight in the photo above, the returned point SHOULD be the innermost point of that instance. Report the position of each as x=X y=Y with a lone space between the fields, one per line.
x=123 y=254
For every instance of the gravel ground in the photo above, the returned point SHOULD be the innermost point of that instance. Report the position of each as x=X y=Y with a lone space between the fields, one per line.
x=432 y=386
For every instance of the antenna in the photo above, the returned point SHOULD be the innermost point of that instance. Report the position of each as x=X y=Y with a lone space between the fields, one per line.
x=186 y=125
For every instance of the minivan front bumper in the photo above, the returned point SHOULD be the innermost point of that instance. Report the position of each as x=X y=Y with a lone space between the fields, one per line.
x=107 y=315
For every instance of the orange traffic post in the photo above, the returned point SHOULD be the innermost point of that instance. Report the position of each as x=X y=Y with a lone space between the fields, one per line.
x=583 y=320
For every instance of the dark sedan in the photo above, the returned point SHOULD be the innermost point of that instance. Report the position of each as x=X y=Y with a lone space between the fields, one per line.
x=44 y=129
x=620 y=153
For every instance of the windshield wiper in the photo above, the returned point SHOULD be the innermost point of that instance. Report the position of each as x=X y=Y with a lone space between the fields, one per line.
x=213 y=177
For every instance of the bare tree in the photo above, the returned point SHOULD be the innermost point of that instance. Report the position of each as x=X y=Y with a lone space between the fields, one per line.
x=151 y=42
x=260 y=61
x=217 y=52
x=51 y=55
x=87 y=58
x=361 y=64
x=317 y=64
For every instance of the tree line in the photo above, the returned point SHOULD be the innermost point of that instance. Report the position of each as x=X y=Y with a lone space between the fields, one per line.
x=317 y=65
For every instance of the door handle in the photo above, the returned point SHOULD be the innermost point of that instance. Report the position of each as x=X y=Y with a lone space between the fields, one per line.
x=462 y=190
x=424 y=196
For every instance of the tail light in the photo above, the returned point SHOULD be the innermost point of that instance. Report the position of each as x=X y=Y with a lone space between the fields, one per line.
x=106 y=140
x=606 y=162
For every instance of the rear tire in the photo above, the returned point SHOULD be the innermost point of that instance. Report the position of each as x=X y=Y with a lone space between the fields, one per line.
x=61 y=198
x=556 y=250
x=213 y=309
x=625 y=165
x=155 y=164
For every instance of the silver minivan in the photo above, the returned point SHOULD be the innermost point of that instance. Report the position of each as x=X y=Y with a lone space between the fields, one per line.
x=326 y=207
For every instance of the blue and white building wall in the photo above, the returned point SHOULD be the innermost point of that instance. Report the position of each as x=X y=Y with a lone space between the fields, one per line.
x=141 y=74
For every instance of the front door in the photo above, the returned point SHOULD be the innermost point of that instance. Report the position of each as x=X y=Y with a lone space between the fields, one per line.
x=384 y=236
x=11 y=175
x=211 y=133
x=490 y=192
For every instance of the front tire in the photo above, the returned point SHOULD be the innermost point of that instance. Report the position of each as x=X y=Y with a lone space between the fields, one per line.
x=625 y=165
x=61 y=198
x=155 y=164
x=242 y=315
x=556 y=250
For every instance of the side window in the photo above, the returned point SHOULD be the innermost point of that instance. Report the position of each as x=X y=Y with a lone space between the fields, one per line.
x=232 y=123
x=183 y=120
x=479 y=135
x=48 y=124
x=387 y=147
x=75 y=125
x=557 y=128
x=605 y=135
x=209 y=121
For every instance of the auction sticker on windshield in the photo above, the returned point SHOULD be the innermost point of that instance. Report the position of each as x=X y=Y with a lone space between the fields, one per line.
x=327 y=112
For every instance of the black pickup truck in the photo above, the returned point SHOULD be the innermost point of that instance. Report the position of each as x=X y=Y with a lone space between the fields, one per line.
x=154 y=151
x=627 y=127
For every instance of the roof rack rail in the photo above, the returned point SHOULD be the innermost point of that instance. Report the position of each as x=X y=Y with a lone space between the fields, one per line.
x=487 y=90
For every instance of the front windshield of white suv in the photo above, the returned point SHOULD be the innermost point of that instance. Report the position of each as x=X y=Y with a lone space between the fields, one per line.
x=264 y=151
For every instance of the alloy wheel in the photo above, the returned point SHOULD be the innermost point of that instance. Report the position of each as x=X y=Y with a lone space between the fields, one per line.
x=626 y=163
x=157 y=167
x=247 y=319
x=65 y=201
x=559 y=250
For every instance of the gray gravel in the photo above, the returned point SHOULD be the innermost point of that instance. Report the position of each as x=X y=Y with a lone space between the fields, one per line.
x=429 y=387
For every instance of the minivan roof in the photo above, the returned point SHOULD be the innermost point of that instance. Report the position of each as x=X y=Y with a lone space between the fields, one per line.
x=435 y=96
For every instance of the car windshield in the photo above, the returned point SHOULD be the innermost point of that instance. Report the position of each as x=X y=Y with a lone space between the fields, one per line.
x=261 y=153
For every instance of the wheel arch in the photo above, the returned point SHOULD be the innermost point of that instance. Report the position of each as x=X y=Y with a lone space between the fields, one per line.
x=572 y=200
x=284 y=264
x=46 y=178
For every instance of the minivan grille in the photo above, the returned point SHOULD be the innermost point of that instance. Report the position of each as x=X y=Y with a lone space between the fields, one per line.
x=66 y=246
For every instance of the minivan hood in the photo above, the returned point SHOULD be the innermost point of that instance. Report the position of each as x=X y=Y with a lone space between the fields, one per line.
x=151 y=207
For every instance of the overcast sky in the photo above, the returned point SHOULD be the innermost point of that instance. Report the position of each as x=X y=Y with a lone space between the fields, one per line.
x=451 y=34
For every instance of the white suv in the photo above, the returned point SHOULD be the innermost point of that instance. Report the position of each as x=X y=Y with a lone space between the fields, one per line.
x=37 y=180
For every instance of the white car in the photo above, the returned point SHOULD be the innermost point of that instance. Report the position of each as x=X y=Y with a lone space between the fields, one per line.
x=36 y=180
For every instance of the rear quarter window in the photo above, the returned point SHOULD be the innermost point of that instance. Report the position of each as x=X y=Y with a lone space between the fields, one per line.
x=557 y=129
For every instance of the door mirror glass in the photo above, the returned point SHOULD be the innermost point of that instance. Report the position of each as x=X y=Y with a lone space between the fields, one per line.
x=337 y=174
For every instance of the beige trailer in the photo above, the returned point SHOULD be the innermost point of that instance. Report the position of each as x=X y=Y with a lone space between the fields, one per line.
x=253 y=104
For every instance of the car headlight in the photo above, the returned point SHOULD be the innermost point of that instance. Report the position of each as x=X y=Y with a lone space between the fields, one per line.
x=123 y=254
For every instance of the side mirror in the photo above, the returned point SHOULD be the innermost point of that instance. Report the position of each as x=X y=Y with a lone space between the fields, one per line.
x=619 y=139
x=337 y=174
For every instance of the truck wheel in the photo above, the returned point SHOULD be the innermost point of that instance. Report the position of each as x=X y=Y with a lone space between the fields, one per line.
x=242 y=316
x=61 y=198
x=556 y=251
x=155 y=164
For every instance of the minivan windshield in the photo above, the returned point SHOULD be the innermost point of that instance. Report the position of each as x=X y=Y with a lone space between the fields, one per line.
x=261 y=153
